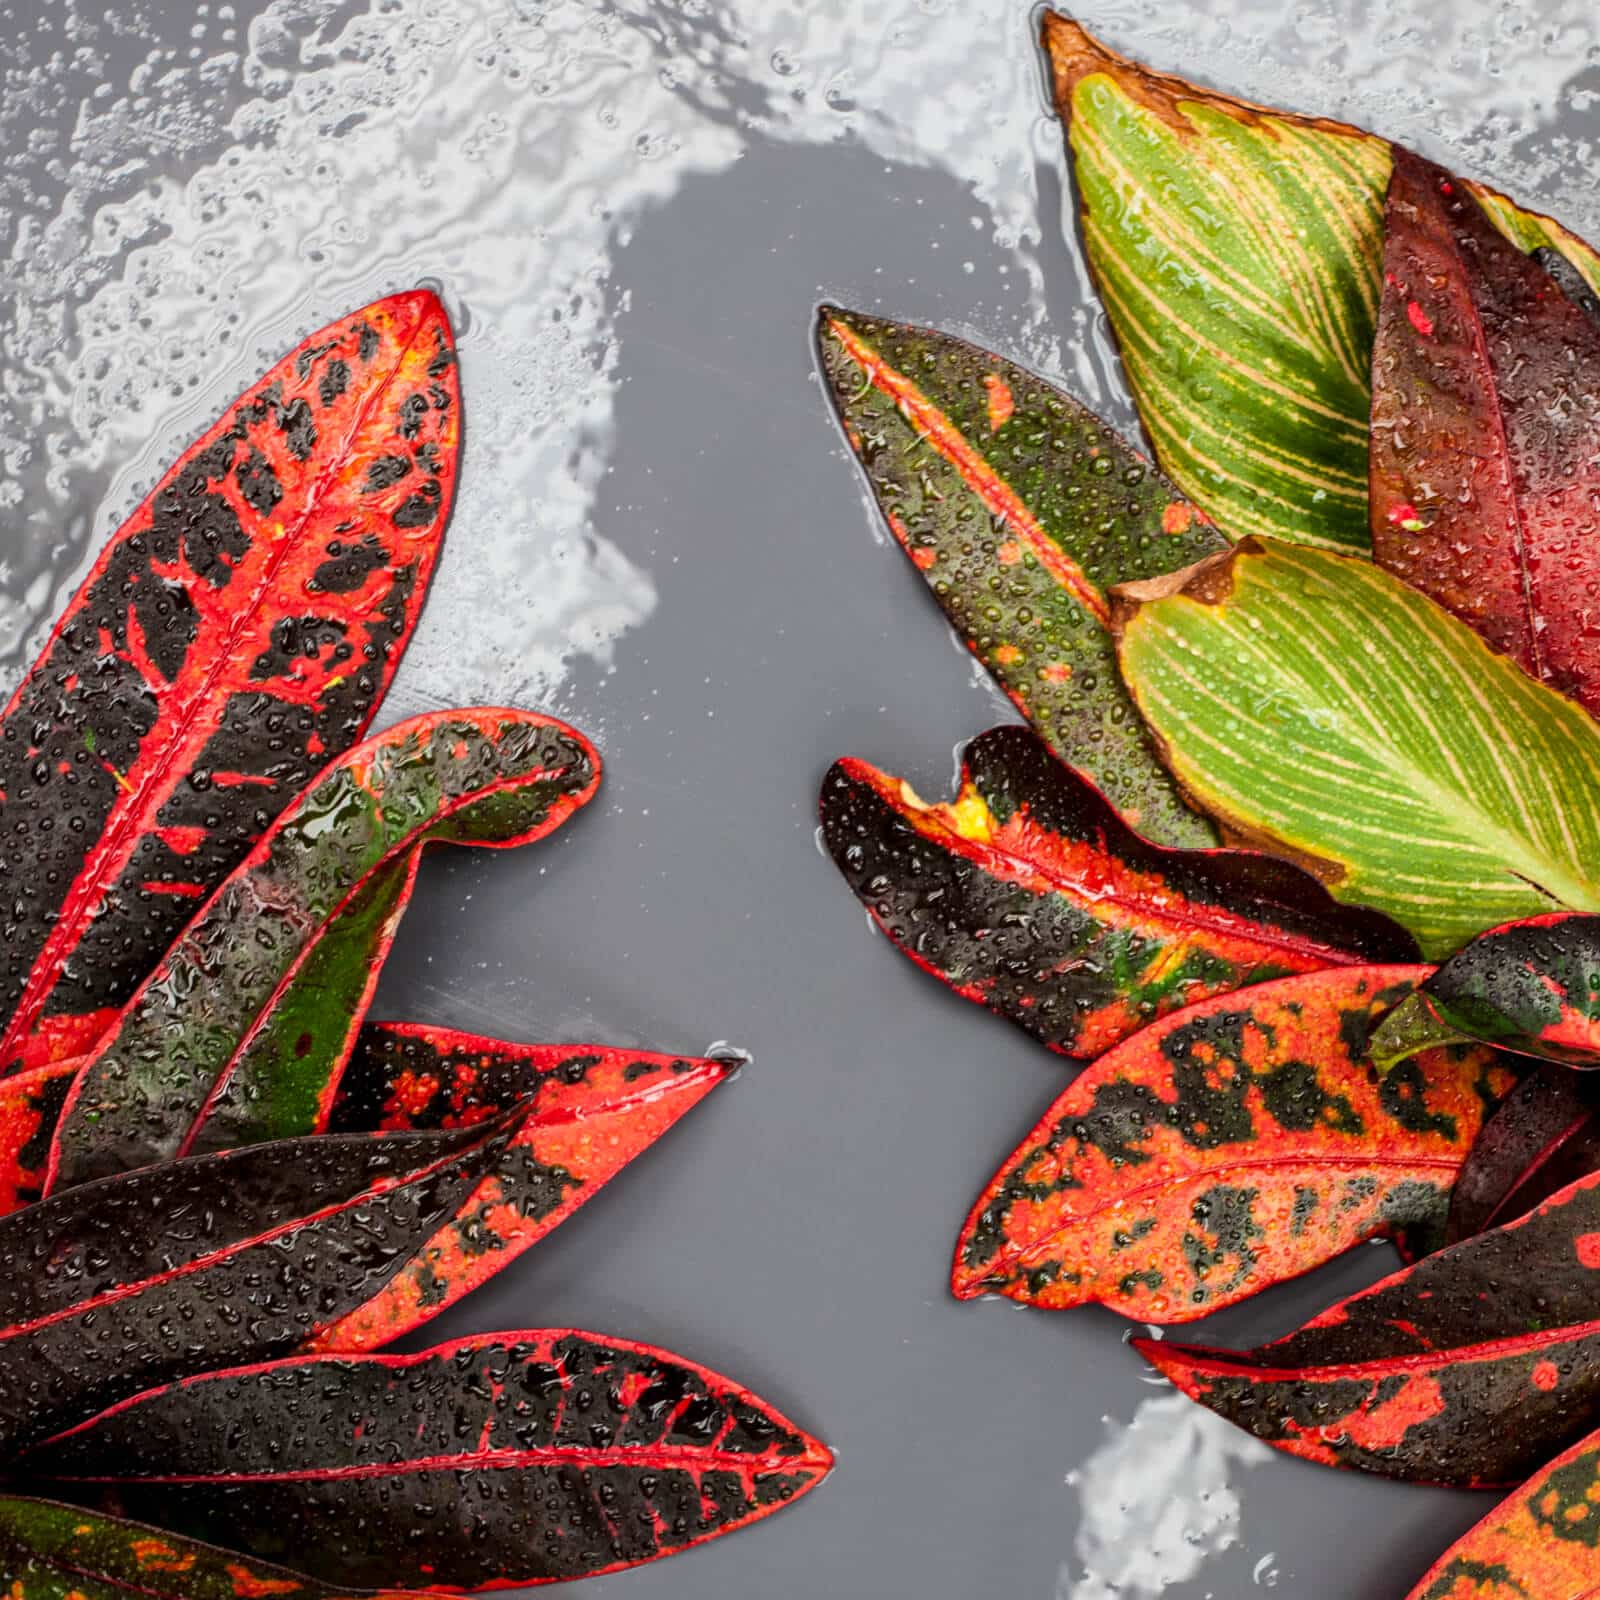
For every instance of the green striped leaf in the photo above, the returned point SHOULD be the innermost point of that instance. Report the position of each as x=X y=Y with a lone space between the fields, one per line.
x=1320 y=708
x=1239 y=254
x=1020 y=509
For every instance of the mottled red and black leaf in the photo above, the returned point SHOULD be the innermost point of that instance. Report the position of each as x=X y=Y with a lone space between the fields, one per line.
x=1471 y=1367
x=507 y=1459
x=586 y=1112
x=236 y=633
x=1031 y=896
x=1236 y=1143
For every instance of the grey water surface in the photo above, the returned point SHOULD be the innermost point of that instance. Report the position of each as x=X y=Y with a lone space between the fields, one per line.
x=631 y=209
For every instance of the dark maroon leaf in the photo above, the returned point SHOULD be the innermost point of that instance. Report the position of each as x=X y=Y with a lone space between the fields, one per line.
x=505 y=1459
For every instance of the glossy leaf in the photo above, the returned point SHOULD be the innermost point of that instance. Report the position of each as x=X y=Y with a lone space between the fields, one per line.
x=1542 y=236
x=1323 y=709
x=1541 y=1543
x=1545 y=1135
x=50 y=1551
x=30 y=1106
x=1020 y=509
x=1486 y=433
x=1236 y=251
x=236 y=634
x=505 y=1459
x=232 y=1038
x=1229 y=1146
x=138 y=1279
x=587 y=1111
x=1029 y=895
x=1531 y=986
x=1471 y=1367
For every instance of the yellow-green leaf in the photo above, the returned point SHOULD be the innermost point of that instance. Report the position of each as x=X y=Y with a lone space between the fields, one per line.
x=1319 y=707
x=1239 y=253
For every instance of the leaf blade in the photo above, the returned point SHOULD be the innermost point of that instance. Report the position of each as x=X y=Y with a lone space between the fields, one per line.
x=50 y=1551
x=1237 y=252
x=1421 y=774
x=590 y=1110
x=1232 y=1145
x=951 y=438
x=141 y=1278
x=203 y=1055
x=1468 y=1368
x=1030 y=896
x=500 y=1448
x=274 y=584
x=1484 y=417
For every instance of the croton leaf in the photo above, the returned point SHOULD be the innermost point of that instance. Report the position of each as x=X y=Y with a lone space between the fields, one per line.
x=1543 y=1136
x=1020 y=509
x=505 y=1459
x=1531 y=986
x=222 y=1044
x=586 y=1112
x=1559 y=249
x=134 y=1280
x=1238 y=252
x=30 y=1106
x=1229 y=1146
x=236 y=633
x=50 y=1551
x=1537 y=1544
x=1471 y=1367
x=1322 y=708
x=1486 y=433
x=1031 y=896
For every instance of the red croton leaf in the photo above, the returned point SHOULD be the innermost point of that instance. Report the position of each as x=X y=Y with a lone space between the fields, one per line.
x=1227 y=1147
x=1030 y=895
x=241 y=1031
x=1470 y=1368
x=1537 y=1544
x=588 y=1110
x=138 y=1279
x=1544 y=1136
x=1485 y=463
x=50 y=1551
x=507 y=1459
x=236 y=633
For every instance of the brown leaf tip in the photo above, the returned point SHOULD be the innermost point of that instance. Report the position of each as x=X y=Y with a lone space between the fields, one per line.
x=1208 y=581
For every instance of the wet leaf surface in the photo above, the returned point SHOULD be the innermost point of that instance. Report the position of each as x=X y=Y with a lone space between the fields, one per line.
x=1029 y=895
x=1020 y=509
x=241 y=1031
x=1545 y=1135
x=505 y=1459
x=1323 y=709
x=50 y=1551
x=1470 y=1368
x=588 y=1110
x=236 y=634
x=1539 y=1543
x=1486 y=432
x=1229 y=1146
x=118 y=1285
x=1531 y=986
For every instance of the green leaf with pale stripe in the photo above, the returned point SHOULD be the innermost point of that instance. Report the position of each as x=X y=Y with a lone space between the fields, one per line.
x=1239 y=253
x=1320 y=708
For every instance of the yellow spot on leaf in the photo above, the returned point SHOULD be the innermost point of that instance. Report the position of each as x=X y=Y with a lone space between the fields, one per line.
x=1009 y=554
x=1008 y=655
x=1001 y=403
x=1177 y=517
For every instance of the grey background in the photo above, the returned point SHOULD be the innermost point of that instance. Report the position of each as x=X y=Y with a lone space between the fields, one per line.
x=631 y=210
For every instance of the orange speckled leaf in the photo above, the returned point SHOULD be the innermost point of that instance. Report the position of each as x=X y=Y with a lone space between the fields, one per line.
x=235 y=635
x=592 y=1110
x=1229 y=1146
x=1031 y=896
x=1541 y=1543
x=1470 y=1368
x=50 y=1551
